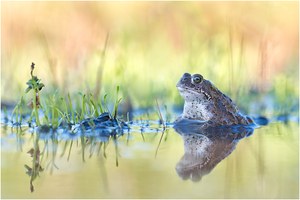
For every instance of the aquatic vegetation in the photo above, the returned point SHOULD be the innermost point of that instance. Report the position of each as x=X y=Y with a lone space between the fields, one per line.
x=161 y=119
x=17 y=112
x=91 y=140
x=36 y=86
x=55 y=110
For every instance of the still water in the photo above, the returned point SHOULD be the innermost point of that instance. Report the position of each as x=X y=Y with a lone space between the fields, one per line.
x=181 y=163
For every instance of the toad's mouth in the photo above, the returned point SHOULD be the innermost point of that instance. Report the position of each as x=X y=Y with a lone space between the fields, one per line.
x=186 y=89
x=183 y=90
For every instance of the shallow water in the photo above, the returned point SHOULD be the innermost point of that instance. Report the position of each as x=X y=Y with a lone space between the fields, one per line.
x=152 y=164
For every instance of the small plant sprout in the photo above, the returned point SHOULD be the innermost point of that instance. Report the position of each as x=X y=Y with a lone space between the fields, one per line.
x=161 y=119
x=18 y=111
x=117 y=102
x=35 y=85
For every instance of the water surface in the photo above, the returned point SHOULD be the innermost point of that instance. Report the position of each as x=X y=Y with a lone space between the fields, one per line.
x=151 y=164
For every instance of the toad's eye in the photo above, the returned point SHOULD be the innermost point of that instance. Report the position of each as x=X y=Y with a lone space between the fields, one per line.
x=197 y=78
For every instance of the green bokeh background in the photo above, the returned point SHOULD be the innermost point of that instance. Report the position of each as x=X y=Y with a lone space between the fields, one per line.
x=239 y=46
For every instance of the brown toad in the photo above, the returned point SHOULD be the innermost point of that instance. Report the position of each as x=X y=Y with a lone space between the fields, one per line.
x=203 y=101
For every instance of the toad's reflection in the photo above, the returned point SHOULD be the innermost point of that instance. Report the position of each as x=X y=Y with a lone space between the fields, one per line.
x=206 y=146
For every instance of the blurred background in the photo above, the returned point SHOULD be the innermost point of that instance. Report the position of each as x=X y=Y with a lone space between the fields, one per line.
x=249 y=50
x=244 y=48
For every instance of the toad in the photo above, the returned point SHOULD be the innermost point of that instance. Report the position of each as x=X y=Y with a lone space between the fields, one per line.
x=203 y=101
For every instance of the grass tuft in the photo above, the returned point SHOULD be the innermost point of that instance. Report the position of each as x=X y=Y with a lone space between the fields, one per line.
x=54 y=110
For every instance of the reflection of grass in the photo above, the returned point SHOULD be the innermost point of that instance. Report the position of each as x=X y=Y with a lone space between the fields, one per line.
x=47 y=146
x=40 y=152
x=36 y=167
x=160 y=139
x=100 y=170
